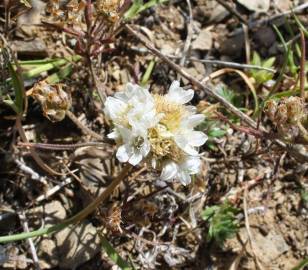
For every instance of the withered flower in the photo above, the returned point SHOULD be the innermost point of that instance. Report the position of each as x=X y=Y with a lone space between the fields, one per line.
x=53 y=99
x=113 y=218
x=288 y=110
x=111 y=9
x=287 y=115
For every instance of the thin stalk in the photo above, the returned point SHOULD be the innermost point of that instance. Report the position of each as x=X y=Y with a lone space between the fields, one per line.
x=74 y=219
x=303 y=131
x=302 y=65
x=61 y=147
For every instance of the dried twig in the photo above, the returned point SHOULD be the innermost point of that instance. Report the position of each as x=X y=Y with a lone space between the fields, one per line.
x=189 y=34
x=180 y=70
x=230 y=107
x=35 y=156
x=232 y=11
x=76 y=218
x=23 y=220
x=53 y=190
x=34 y=175
x=247 y=225
x=82 y=127
x=302 y=64
x=230 y=64
x=61 y=147
x=269 y=20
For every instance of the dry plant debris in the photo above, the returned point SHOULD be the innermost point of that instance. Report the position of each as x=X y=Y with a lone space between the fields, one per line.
x=153 y=134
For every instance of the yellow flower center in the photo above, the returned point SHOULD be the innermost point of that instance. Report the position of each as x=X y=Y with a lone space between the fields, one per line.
x=173 y=112
x=162 y=145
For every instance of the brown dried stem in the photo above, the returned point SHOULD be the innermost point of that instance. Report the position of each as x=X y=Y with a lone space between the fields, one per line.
x=302 y=65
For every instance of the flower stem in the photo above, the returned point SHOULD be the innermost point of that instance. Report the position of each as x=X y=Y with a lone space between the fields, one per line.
x=74 y=219
x=303 y=131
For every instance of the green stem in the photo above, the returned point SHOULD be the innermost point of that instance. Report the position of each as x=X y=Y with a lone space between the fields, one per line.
x=48 y=65
x=147 y=73
x=74 y=219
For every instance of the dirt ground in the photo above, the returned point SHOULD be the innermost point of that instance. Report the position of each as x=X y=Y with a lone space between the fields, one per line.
x=152 y=224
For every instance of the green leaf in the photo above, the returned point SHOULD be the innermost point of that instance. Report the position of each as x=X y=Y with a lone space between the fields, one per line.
x=18 y=89
x=139 y=6
x=36 y=67
x=209 y=212
x=304 y=195
x=262 y=76
x=227 y=94
x=256 y=59
x=301 y=265
x=216 y=133
x=222 y=222
x=114 y=256
x=60 y=75
x=11 y=104
x=269 y=62
x=147 y=74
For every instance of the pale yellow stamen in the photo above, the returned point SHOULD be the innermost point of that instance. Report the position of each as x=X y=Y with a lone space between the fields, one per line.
x=163 y=146
x=173 y=112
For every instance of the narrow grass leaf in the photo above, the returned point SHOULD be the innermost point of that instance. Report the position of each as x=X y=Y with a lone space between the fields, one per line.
x=18 y=88
x=113 y=255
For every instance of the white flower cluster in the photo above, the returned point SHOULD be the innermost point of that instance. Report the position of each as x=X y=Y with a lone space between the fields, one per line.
x=157 y=128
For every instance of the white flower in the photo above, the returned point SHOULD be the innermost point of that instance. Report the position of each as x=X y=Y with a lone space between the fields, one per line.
x=159 y=128
x=188 y=139
x=181 y=171
x=185 y=137
x=136 y=146
x=134 y=106
x=132 y=113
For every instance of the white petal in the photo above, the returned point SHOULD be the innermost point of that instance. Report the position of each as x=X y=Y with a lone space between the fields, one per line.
x=146 y=147
x=191 y=165
x=178 y=95
x=122 y=153
x=184 y=178
x=182 y=141
x=174 y=86
x=127 y=93
x=191 y=109
x=169 y=171
x=126 y=134
x=113 y=135
x=135 y=158
x=197 y=138
x=193 y=121
x=113 y=107
x=154 y=163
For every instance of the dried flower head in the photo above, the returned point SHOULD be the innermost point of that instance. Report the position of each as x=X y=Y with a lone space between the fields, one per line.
x=289 y=110
x=287 y=114
x=110 y=9
x=112 y=217
x=53 y=99
x=158 y=128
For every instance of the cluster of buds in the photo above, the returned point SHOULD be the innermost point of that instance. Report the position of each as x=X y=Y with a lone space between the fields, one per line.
x=287 y=114
x=158 y=129
x=53 y=99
